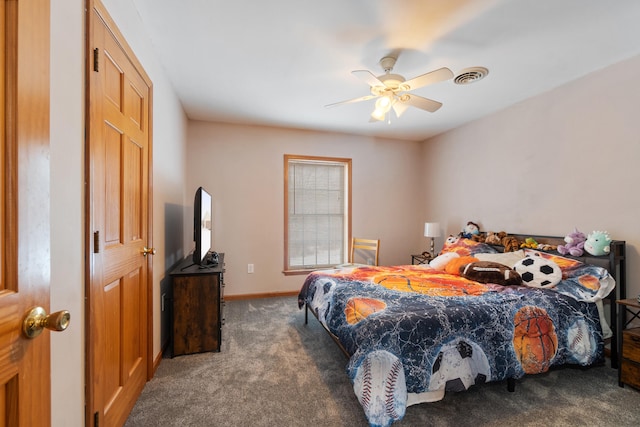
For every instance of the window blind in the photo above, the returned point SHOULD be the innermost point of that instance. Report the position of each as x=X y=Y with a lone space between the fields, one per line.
x=316 y=213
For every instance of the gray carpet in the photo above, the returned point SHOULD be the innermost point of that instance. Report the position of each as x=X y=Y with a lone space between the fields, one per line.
x=274 y=370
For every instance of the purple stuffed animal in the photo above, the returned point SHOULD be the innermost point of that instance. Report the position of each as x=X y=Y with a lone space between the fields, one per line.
x=575 y=243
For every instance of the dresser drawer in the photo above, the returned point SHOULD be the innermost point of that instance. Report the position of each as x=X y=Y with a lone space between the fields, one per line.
x=631 y=344
x=630 y=373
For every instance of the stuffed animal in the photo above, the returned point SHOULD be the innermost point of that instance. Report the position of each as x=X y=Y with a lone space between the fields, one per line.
x=470 y=230
x=478 y=237
x=575 y=243
x=492 y=238
x=451 y=240
x=510 y=243
x=529 y=243
x=547 y=247
x=598 y=243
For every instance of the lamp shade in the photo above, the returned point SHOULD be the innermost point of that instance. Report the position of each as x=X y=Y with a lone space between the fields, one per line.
x=432 y=229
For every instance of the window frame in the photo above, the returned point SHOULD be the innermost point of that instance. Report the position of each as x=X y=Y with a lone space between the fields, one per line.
x=347 y=163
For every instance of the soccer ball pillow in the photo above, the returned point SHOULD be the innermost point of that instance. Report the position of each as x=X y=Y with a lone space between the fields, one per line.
x=538 y=272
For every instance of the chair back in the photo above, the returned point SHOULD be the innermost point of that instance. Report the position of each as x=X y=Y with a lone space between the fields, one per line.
x=368 y=245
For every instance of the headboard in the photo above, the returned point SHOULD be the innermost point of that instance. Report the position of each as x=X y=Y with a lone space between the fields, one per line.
x=614 y=263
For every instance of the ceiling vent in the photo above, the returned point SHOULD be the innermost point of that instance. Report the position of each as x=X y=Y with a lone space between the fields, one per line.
x=470 y=75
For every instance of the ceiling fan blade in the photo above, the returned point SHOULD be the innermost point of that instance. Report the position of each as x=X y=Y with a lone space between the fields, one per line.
x=428 y=78
x=349 y=101
x=399 y=108
x=367 y=77
x=420 y=102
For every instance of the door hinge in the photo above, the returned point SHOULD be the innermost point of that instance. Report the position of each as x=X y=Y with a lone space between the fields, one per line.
x=95 y=59
x=96 y=242
x=96 y=419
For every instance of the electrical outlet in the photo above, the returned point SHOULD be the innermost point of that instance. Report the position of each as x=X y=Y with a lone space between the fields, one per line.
x=250 y=268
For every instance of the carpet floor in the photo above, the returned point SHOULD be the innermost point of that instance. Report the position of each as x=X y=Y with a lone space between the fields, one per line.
x=273 y=370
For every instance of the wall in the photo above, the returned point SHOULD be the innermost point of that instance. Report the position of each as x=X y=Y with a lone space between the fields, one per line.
x=565 y=158
x=67 y=209
x=67 y=189
x=242 y=167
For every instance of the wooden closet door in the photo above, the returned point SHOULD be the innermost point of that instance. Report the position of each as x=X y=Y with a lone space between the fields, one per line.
x=25 y=386
x=119 y=231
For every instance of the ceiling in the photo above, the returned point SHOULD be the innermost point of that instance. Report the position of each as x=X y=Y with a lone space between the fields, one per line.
x=279 y=62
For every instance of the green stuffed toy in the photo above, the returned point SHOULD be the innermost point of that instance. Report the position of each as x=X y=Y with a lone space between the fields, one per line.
x=598 y=243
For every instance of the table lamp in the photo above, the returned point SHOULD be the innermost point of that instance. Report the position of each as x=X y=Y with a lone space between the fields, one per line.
x=431 y=230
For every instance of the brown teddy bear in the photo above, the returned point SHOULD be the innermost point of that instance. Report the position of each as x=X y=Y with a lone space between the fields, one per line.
x=492 y=238
x=478 y=237
x=510 y=243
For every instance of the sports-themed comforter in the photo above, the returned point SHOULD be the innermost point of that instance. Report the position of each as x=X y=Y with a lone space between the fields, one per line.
x=413 y=332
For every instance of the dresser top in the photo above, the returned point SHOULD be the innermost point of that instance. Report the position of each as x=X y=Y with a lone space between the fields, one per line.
x=188 y=268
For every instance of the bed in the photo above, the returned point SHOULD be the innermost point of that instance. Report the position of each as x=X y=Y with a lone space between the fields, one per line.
x=413 y=332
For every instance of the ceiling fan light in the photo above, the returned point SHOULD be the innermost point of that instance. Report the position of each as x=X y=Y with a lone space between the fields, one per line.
x=383 y=103
x=378 y=114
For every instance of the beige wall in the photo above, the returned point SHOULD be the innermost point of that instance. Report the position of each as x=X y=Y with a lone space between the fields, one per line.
x=67 y=210
x=565 y=158
x=67 y=196
x=242 y=167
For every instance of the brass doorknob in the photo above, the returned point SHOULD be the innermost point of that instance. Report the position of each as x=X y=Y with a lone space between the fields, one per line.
x=147 y=250
x=37 y=319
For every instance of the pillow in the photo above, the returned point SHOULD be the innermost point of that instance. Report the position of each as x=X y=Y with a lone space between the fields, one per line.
x=565 y=264
x=508 y=258
x=491 y=272
x=584 y=282
x=464 y=247
x=441 y=261
x=453 y=267
x=538 y=272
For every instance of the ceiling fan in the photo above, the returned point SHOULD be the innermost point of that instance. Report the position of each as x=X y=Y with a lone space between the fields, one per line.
x=392 y=90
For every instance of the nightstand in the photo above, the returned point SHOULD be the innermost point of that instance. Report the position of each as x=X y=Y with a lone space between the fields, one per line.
x=629 y=342
x=420 y=259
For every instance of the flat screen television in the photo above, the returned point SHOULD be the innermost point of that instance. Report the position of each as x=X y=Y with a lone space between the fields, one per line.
x=202 y=209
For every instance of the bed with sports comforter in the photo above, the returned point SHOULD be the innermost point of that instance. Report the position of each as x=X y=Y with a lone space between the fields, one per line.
x=413 y=332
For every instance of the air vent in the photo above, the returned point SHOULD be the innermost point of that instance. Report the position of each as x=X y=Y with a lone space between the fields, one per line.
x=470 y=75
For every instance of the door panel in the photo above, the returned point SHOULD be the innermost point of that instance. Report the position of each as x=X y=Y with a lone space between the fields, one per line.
x=119 y=152
x=25 y=388
x=113 y=138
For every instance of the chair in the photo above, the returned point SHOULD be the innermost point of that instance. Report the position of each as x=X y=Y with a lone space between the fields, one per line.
x=364 y=245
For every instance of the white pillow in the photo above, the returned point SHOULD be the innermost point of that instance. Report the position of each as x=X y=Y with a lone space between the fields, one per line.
x=440 y=262
x=508 y=258
x=538 y=272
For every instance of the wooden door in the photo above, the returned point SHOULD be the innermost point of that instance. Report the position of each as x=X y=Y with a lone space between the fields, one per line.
x=25 y=386
x=119 y=150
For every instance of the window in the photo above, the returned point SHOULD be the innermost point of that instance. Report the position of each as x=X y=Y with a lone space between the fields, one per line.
x=317 y=210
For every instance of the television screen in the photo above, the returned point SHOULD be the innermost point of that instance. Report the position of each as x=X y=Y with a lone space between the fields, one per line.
x=202 y=225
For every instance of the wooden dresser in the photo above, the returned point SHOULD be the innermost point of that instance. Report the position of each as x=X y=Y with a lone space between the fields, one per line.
x=197 y=307
x=629 y=368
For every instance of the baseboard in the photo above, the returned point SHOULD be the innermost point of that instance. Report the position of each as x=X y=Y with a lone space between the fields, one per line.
x=260 y=295
x=156 y=363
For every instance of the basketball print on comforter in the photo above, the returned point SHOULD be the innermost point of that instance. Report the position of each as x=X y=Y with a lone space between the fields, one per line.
x=534 y=339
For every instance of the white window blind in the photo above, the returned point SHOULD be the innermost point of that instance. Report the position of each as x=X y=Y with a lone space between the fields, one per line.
x=317 y=213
